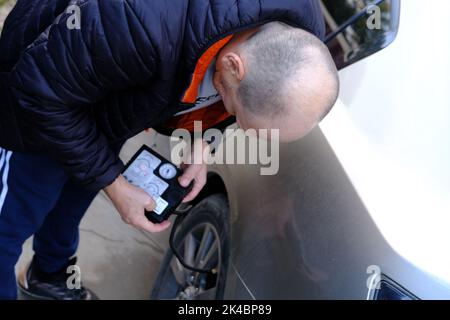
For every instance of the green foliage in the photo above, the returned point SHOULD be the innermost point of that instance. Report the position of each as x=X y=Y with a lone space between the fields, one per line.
x=2 y=2
x=5 y=7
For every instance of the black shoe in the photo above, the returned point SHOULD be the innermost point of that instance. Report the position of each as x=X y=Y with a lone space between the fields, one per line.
x=38 y=285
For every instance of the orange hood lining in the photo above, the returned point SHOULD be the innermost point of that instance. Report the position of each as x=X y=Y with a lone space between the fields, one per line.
x=201 y=68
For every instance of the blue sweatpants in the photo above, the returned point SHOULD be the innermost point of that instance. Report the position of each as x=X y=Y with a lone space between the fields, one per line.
x=37 y=198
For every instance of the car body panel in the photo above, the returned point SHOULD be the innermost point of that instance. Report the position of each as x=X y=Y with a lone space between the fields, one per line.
x=366 y=192
x=370 y=188
x=310 y=237
x=391 y=133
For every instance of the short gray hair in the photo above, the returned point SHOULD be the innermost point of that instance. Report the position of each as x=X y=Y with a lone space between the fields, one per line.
x=275 y=55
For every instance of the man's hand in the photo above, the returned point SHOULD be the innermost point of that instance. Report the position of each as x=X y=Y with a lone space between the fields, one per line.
x=131 y=202
x=197 y=171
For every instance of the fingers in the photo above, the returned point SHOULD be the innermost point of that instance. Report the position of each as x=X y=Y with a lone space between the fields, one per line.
x=132 y=202
x=189 y=174
x=145 y=225
x=194 y=193
x=150 y=204
x=141 y=222
x=196 y=173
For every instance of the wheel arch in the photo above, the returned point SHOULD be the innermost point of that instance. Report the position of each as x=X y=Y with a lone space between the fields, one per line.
x=215 y=184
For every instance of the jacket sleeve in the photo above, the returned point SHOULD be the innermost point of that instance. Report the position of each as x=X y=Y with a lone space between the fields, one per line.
x=67 y=70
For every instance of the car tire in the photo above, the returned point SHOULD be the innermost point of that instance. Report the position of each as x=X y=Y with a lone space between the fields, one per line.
x=203 y=241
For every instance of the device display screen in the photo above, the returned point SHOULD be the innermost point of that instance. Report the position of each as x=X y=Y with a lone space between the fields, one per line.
x=141 y=174
x=158 y=177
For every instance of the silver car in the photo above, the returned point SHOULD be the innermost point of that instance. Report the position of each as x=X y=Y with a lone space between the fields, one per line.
x=360 y=208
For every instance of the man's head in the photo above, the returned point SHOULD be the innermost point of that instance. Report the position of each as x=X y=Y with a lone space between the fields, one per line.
x=277 y=77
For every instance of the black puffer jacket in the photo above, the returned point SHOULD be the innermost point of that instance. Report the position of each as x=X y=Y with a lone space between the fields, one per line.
x=73 y=92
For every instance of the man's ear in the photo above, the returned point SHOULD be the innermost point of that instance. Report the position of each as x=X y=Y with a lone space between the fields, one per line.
x=234 y=64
